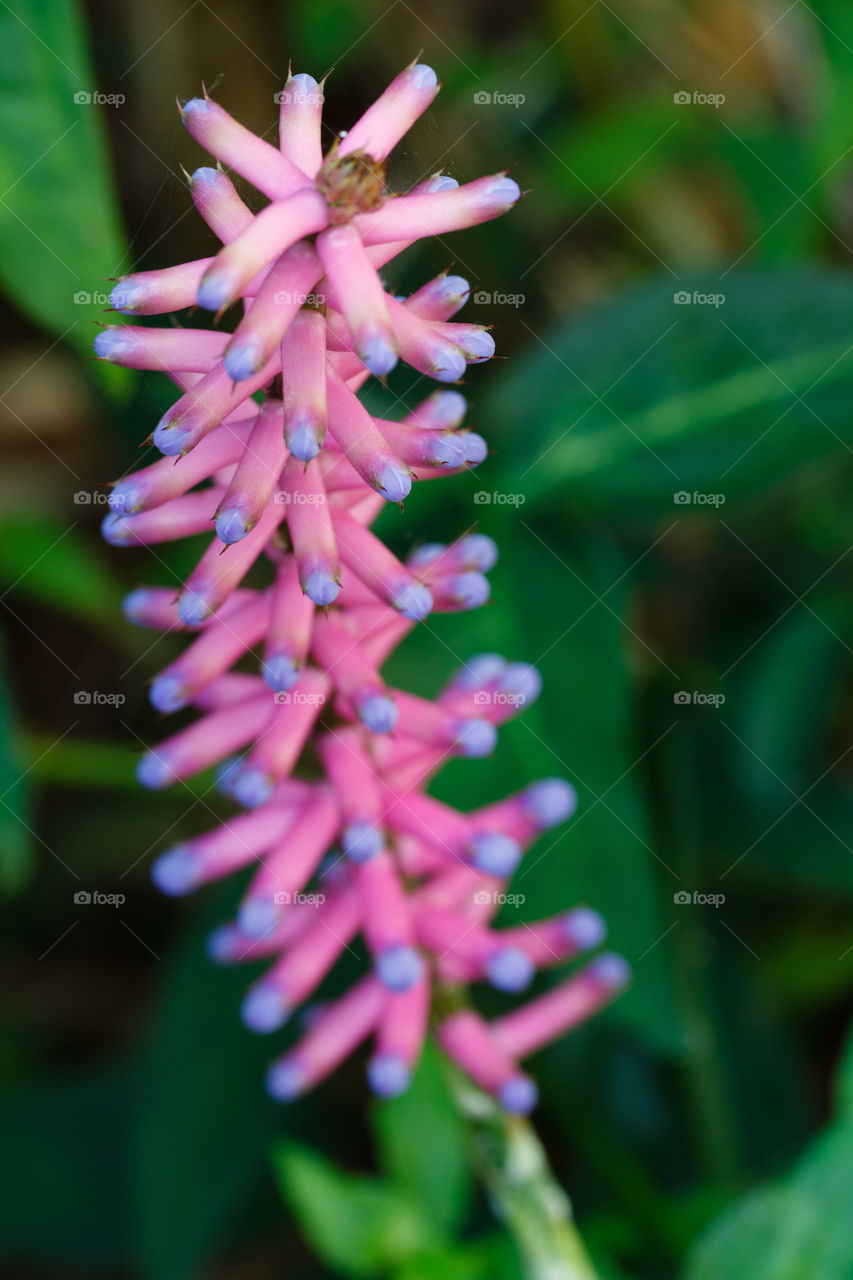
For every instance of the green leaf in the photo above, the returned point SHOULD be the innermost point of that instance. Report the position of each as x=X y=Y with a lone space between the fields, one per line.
x=59 y=227
x=15 y=801
x=360 y=1226
x=422 y=1139
x=645 y=399
x=54 y=564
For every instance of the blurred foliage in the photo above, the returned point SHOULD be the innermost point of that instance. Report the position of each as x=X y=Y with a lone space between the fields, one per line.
x=703 y=1125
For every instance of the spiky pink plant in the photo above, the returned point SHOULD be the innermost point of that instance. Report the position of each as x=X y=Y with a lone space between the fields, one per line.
x=270 y=443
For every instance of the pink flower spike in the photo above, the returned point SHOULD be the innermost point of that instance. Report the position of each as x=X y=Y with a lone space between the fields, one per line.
x=352 y=776
x=429 y=723
x=359 y=293
x=204 y=406
x=424 y=346
x=562 y=937
x=270 y=233
x=387 y=925
x=151 y=293
x=380 y=570
x=216 y=198
x=440 y=298
x=337 y=1031
x=256 y=476
x=535 y=1024
x=358 y=436
x=442 y=411
x=286 y=287
x=310 y=524
x=393 y=113
x=466 y=1038
x=400 y=1038
x=300 y=114
x=204 y=743
x=295 y=977
x=273 y=756
x=187 y=350
x=220 y=644
x=415 y=216
x=286 y=870
x=358 y=683
x=163 y=480
x=303 y=368
x=289 y=634
x=217 y=574
x=180 y=518
x=238 y=148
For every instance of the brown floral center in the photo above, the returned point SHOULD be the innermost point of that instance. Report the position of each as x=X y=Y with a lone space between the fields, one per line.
x=351 y=184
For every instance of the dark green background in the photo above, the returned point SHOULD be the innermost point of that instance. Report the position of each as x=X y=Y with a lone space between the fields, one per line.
x=703 y=1125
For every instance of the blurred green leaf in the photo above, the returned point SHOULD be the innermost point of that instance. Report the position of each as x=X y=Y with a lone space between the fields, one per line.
x=15 y=802
x=645 y=399
x=361 y=1226
x=59 y=228
x=54 y=564
x=422 y=1139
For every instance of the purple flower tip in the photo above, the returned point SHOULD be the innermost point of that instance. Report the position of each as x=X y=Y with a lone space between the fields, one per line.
x=449 y=408
x=503 y=192
x=585 y=927
x=169 y=439
x=214 y=292
x=495 y=853
x=476 y=448
x=193 y=606
x=388 y=1075
x=285 y=1081
x=227 y=774
x=393 y=482
x=476 y=738
x=176 y=871
x=205 y=173
x=414 y=601
x=423 y=77
x=425 y=555
x=167 y=694
x=446 y=450
x=471 y=589
x=253 y=788
x=518 y=1095
x=479 y=551
x=279 y=672
x=478 y=346
x=220 y=945
x=114 y=529
x=230 y=526
x=522 y=681
x=440 y=182
x=133 y=606
x=451 y=365
x=399 y=967
x=257 y=916
x=240 y=360
x=195 y=105
x=454 y=287
x=378 y=355
x=125 y=497
x=610 y=971
x=153 y=772
x=109 y=343
x=479 y=670
x=510 y=969
x=378 y=712
x=321 y=587
x=264 y=1010
x=304 y=443
x=126 y=297
x=550 y=801
x=362 y=841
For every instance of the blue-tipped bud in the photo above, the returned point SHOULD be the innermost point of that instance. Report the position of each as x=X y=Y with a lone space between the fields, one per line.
x=503 y=191
x=361 y=841
x=252 y=788
x=204 y=173
x=476 y=738
x=477 y=346
x=280 y=672
x=378 y=712
x=134 y=604
x=378 y=355
x=388 y=1075
x=448 y=408
x=231 y=525
x=510 y=969
x=550 y=801
x=610 y=971
x=470 y=590
x=393 y=482
x=285 y=1081
x=114 y=529
x=257 y=917
x=446 y=450
x=242 y=359
x=167 y=694
x=440 y=182
x=522 y=681
x=414 y=601
x=110 y=343
x=227 y=775
x=170 y=440
x=224 y=945
x=478 y=551
x=125 y=497
x=425 y=555
x=321 y=587
x=154 y=772
x=454 y=287
x=423 y=77
x=585 y=928
x=128 y=297
x=450 y=365
x=176 y=871
x=518 y=1095
x=495 y=853
x=399 y=967
x=479 y=671
x=303 y=442
x=264 y=1009
x=476 y=448
x=214 y=292
x=193 y=606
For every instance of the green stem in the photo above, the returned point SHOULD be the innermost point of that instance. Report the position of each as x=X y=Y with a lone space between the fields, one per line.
x=523 y=1191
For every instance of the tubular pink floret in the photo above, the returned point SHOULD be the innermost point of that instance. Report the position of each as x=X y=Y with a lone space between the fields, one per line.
x=268 y=443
